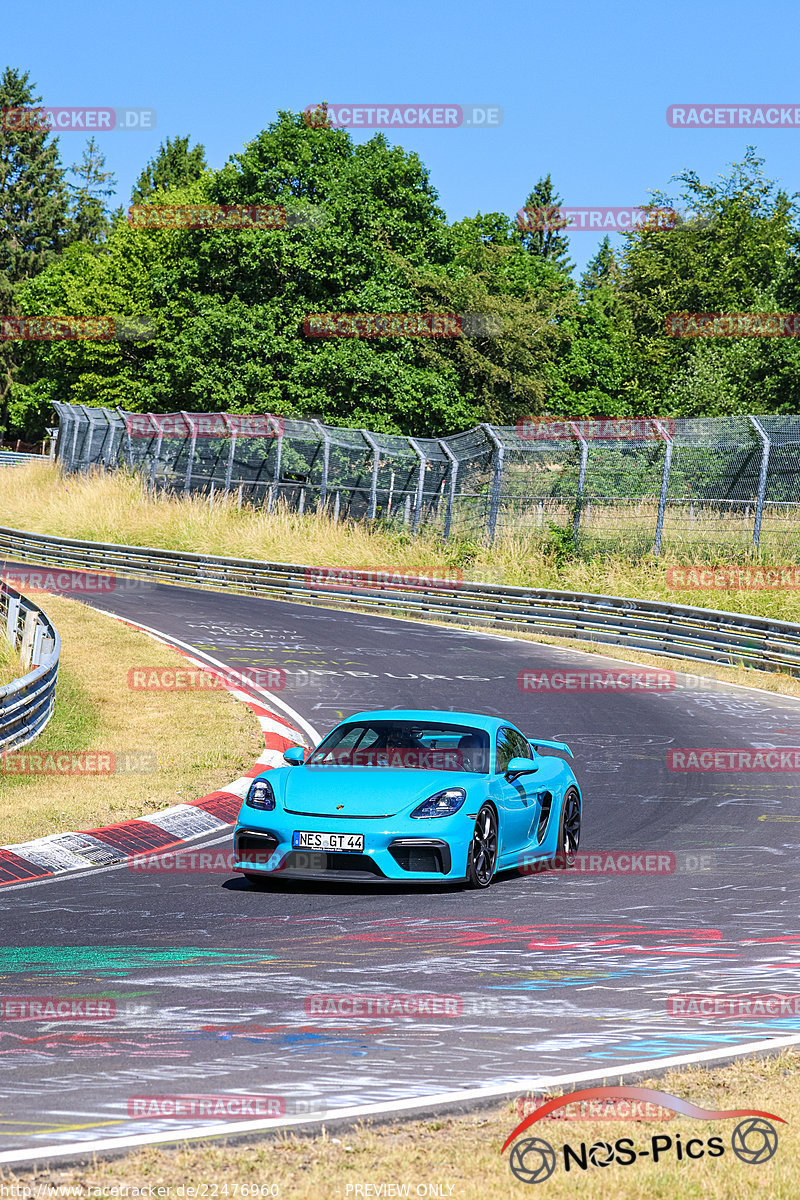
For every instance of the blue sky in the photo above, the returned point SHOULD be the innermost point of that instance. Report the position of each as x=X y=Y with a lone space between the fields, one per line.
x=584 y=84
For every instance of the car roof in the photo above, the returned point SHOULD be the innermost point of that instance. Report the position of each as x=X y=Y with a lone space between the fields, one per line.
x=478 y=720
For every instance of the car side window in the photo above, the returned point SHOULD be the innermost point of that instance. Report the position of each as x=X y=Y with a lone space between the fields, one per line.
x=510 y=744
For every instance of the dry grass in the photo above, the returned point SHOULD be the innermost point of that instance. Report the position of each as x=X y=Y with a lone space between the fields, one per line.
x=197 y=741
x=461 y=1155
x=11 y=667
x=117 y=507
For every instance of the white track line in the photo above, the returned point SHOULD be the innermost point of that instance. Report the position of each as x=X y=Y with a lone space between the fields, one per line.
x=471 y=1096
x=269 y=697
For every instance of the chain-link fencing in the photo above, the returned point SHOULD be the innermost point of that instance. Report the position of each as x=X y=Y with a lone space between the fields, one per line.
x=631 y=485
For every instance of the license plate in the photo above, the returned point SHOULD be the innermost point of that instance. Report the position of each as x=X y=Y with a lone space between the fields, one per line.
x=328 y=841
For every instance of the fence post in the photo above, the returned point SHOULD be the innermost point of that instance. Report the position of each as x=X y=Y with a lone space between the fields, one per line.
x=109 y=434
x=276 y=477
x=451 y=495
x=581 y=480
x=373 y=487
x=497 y=478
x=762 y=477
x=662 y=499
x=229 y=469
x=423 y=463
x=90 y=437
x=326 y=454
x=190 y=460
x=124 y=420
x=157 y=451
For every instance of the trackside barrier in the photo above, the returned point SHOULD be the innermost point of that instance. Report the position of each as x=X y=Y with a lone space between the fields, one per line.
x=26 y=704
x=12 y=458
x=677 y=631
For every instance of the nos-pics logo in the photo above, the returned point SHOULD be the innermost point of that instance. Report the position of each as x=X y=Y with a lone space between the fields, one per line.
x=754 y=1139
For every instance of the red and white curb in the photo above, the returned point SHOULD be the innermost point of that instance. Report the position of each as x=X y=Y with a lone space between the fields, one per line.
x=109 y=844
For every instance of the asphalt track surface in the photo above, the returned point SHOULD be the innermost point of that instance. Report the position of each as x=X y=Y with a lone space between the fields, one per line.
x=555 y=972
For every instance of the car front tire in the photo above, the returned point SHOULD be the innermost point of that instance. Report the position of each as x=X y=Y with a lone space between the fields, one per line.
x=482 y=854
x=569 y=834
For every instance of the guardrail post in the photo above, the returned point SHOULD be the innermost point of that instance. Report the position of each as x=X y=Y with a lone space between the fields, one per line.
x=497 y=478
x=187 y=482
x=762 y=478
x=373 y=487
x=38 y=638
x=12 y=621
x=662 y=499
x=451 y=494
x=28 y=637
x=581 y=481
x=326 y=454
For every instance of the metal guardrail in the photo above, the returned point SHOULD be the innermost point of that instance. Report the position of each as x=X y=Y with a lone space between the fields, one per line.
x=677 y=631
x=10 y=458
x=26 y=704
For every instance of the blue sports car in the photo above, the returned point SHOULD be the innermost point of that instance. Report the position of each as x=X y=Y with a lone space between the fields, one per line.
x=412 y=796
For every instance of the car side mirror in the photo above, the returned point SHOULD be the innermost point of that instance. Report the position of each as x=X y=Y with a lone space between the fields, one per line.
x=295 y=756
x=520 y=766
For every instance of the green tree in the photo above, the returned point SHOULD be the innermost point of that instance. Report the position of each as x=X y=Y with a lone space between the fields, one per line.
x=33 y=212
x=596 y=372
x=89 y=196
x=727 y=256
x=546 y=243
x=174 y=166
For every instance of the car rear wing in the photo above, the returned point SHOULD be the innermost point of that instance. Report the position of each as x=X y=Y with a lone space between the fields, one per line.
x=562 y=747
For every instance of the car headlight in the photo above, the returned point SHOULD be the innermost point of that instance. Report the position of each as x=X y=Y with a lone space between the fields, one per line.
x=260 y=795
x=443 y=804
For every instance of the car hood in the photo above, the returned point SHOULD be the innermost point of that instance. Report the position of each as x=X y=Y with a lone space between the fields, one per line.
x=362 y=791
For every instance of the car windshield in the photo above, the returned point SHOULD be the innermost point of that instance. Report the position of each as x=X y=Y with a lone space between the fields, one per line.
x=420 y=745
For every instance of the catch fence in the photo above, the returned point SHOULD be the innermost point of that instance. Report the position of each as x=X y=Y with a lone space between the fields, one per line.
x=631 y=485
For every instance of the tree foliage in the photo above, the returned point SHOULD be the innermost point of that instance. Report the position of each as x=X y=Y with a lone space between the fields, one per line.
x=365 y=234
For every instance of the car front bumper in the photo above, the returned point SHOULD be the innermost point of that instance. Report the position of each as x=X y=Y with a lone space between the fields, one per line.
x=430 y=855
